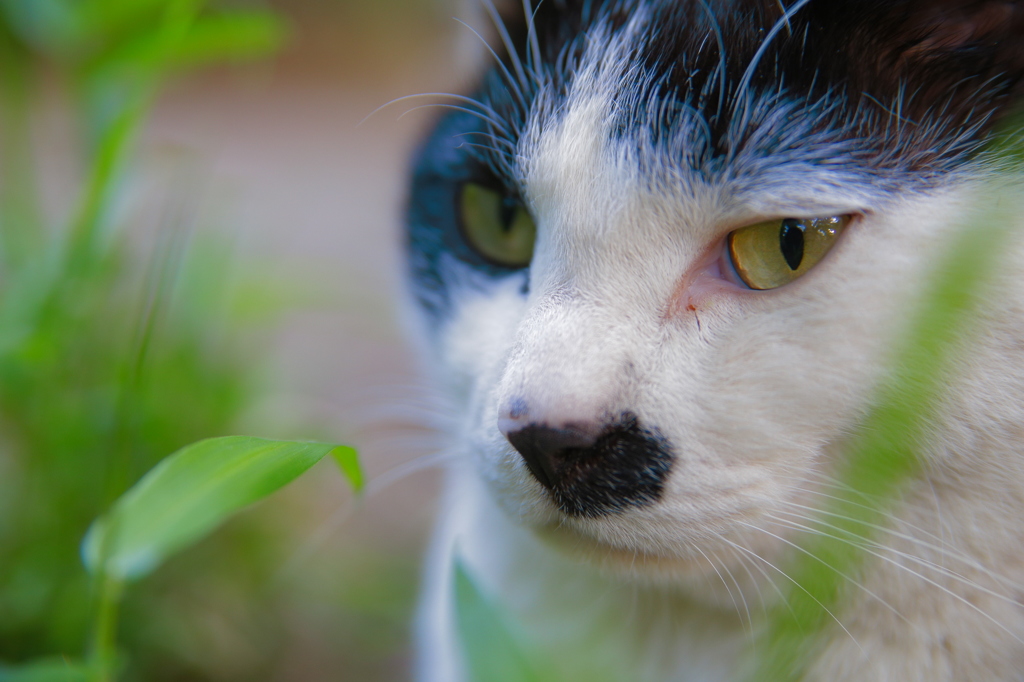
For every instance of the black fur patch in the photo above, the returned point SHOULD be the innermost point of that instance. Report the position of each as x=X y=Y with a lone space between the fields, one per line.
x=907 y=85
x=444 y=163
x=625 y=467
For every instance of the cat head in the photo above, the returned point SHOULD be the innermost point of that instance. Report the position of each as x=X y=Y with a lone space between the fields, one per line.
x=660 y=252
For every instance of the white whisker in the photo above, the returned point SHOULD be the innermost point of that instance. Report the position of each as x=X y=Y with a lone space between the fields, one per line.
x=722 y=578
x=742 y=90
x=944 y=551
x=498 y=125
x=510 y=83
x=744 y=562
x=785 y=575
x=841 y=574
x=506 y=39
x=865 y=547
x=316 y=540
x=486 y=113
x=531 y=35
x=722 y=64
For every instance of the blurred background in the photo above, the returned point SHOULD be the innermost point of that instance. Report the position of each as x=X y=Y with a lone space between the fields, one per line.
x=198 y=238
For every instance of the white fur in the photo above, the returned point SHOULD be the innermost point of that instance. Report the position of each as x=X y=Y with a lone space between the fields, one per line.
x=757 y=391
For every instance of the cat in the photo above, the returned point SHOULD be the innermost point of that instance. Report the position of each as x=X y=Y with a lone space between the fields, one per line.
x=658 y=260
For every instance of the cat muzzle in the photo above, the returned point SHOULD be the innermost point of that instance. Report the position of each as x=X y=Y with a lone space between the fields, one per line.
x=596 y=469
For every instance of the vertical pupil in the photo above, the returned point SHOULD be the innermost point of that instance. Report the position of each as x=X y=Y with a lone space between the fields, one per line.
x=791 y=242
x=508 y=212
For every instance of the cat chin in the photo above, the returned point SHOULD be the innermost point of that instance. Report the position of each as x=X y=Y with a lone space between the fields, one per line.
x=618 y=544
x=626 y=561
x=712 y=576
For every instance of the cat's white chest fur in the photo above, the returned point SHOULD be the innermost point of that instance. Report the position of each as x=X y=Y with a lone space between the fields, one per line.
x=592 y=624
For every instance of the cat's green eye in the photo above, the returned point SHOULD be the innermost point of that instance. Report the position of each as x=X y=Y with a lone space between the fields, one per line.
x=498 y=228
x=770 y=254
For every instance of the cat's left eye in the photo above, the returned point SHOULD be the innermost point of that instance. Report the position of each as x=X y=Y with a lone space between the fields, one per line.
x=770 y=254
x=497 y=227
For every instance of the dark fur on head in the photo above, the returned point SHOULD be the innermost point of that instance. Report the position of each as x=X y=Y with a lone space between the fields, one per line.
x=912 y=84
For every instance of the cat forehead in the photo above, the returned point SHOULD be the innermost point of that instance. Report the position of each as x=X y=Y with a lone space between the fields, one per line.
x=603 y=146
x=885 y=91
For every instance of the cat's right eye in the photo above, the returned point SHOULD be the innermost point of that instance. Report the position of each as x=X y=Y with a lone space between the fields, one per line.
x=496 y=226
x=770 y=254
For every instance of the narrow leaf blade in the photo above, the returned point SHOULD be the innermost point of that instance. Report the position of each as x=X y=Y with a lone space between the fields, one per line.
x=188 y=495
x=492 y=651
x=884 y=456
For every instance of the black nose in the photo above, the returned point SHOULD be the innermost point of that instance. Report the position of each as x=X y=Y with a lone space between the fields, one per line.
x=596 y=469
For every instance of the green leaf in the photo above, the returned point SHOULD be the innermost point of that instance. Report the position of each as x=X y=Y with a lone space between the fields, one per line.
x=47 y=670
x=191 y=493
x=492 y=651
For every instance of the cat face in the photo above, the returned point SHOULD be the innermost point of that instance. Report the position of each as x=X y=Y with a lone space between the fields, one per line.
x=661 y=253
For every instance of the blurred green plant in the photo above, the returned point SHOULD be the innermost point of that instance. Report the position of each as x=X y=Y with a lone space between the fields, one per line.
x=495 y=652
x=885 y=454
x=178 y=502
x=105 y=366
x=181 y=500
x=498 y=650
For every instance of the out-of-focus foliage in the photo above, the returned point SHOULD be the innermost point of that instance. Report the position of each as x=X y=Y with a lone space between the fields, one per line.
x=106 y=364
x=494 y=652
x=886 y=451
x=46 y=670
x=498 y=650
x=176 y=504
